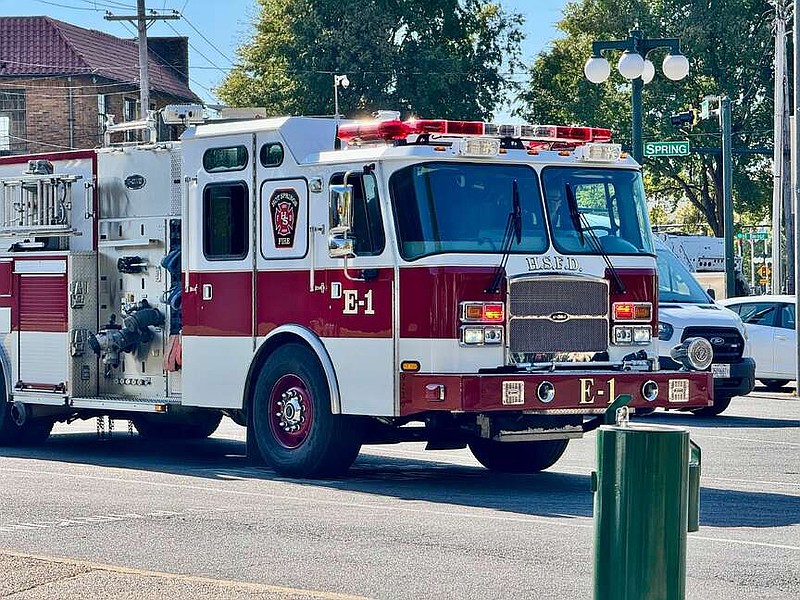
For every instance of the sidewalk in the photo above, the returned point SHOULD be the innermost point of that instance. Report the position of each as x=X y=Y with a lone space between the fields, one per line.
x=28 y=577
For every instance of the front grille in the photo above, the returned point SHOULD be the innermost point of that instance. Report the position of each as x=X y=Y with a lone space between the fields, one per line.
x=546 y=336
x=728 y=351
x=557 y=314
x=543 y=296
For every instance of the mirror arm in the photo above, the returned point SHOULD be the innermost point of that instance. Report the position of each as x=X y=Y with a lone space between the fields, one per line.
x=347 y=272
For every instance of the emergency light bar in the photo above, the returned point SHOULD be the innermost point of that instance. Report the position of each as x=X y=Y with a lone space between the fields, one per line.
x=395 y=130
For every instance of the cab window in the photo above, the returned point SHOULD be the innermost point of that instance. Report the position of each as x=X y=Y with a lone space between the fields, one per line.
x=225 y=218
x=367 y=223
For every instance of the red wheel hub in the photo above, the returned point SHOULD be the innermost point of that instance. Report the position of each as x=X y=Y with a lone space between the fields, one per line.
x=291 y=410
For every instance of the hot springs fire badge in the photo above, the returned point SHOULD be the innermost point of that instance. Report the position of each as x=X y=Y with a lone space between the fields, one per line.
x=283 y=206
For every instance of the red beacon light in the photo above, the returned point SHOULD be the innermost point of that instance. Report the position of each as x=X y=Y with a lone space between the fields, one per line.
x=394 y=130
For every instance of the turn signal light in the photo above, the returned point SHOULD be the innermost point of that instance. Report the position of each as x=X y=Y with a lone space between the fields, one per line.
x=632 y=311
x=483 y=312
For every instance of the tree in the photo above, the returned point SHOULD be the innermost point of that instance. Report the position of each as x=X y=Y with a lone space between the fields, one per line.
x=442 y=58
x=728 y=43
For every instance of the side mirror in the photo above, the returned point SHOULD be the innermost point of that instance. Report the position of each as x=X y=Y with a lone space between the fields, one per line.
x=340 y=246
x=712 y=293
x=341 y=208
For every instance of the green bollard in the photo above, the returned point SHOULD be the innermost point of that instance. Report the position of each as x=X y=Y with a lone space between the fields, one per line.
x=641 y=511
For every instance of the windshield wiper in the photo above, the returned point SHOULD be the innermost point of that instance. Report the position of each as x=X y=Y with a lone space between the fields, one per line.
x=576 y=215
x=513 y=232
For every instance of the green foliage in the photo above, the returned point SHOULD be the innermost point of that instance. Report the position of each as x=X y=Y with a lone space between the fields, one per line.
x=438 y=58
x=728 y=43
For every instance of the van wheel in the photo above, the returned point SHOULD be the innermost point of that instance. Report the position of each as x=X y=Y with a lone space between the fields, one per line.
x=30 y=433
x=720 y=404
x=517 y=457
x=296 y=433
x=195 y=425
x=774 y=385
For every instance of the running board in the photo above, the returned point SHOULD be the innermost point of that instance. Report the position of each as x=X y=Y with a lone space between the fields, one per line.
x=535 y=435
x=125 y=404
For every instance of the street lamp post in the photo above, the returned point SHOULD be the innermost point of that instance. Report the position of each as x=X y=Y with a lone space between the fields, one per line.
x=635 y=66
x=338 y=80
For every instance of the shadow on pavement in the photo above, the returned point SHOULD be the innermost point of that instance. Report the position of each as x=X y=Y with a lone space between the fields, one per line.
x=680 y=419
x=550 y=493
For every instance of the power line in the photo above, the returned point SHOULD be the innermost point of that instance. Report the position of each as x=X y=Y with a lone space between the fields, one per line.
x=209 y=42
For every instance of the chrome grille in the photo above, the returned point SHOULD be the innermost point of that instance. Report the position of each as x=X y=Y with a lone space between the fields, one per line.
x=541 y=297
x=546 y=336
x=557 y=314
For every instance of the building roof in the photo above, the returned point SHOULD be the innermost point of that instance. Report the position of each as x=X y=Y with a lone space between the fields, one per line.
x=42 y=46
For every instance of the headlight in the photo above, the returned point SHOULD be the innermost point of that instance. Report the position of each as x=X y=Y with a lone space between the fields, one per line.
x=665 y=331
x=632 y=335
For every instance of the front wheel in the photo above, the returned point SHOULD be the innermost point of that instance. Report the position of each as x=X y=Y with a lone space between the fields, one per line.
x=517 y=457
x=720 y=404
x=295 y=431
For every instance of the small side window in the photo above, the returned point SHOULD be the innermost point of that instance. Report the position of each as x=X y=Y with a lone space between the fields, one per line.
x=225 y=219
x=271 y=155
x=217 y=160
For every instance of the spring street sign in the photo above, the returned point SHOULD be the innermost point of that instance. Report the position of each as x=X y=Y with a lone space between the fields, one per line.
x=680 y=148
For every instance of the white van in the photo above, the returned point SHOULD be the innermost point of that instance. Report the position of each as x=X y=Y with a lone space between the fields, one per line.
x=685 y=310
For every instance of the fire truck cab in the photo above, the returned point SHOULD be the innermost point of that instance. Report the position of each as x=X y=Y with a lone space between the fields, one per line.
x=331 y=284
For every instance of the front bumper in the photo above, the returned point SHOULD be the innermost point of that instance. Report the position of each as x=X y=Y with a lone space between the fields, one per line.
x=740 y=383
x=576 y=392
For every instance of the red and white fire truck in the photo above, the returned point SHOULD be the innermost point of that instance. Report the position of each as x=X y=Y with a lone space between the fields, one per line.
x=330 y=284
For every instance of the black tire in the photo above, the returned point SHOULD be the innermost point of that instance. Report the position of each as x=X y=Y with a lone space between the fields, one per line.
x=774 y=385
x=31 y=433
x=294 y=429
x=187 y=425
x=720 y=404
x=518 y=457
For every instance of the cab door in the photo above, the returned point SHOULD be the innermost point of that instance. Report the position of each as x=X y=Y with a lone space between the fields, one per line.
x=218 y=260
x=785 y=347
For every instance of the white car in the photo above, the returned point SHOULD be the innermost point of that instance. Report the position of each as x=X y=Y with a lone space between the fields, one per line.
x=771 y=326
x=685 y=310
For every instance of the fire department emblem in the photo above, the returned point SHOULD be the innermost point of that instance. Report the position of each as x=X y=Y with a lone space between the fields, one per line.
x=283 y=206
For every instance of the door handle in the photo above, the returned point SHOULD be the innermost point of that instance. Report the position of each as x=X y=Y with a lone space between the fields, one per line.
x=208 y=291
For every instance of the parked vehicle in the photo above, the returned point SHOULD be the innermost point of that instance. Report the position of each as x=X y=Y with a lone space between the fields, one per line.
x=685 y=310
x=771 y=325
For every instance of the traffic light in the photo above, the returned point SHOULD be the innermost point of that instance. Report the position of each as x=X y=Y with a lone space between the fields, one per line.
x=689 y=118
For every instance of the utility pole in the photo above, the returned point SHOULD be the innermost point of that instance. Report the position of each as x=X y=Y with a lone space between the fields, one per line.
x=778 y=168
x=796 y=177
x=142 y=21
x=727 y=193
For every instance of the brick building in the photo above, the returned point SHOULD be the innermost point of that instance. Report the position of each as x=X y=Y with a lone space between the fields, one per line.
x=58 y=82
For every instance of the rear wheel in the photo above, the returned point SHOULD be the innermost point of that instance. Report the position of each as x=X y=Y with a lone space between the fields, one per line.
x=295 y=431
x=16 y=430
x=189 y=425
x=517 y=457
x=774 y=385
x=720 y=404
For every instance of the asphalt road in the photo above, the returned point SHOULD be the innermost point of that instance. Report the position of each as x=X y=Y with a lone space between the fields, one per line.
x=121 y=518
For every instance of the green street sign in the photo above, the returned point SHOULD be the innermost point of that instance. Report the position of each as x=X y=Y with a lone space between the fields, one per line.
x=667 y=148
x=753 y=235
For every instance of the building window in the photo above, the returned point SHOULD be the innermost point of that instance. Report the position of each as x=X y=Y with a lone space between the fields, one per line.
x=12 y=122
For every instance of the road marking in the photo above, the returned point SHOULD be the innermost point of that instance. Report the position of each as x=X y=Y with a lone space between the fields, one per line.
x=739 y=439
x=253 y=587
x=743 y=542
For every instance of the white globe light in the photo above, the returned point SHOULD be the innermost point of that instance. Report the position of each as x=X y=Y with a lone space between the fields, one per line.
x=648 y=72
x=345 y=81
x=597 y=69
x=675 y=66
x=631 y=65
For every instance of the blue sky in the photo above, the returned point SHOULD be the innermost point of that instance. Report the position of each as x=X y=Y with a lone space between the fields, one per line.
x=217 y=27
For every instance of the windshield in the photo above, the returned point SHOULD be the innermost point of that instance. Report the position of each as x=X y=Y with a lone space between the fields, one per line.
x=676 y=283
x=610 y=202
x=457 y=207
